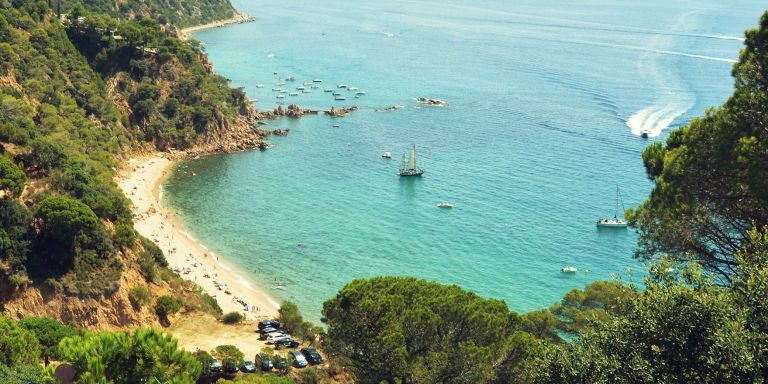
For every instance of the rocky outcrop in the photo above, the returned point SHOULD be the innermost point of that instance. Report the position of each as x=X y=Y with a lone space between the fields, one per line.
x=340 y=112
x=281 y=132
x=432 y=102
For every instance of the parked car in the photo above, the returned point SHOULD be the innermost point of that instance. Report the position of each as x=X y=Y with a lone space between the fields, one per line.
x=248 y=366
x=269 y=323
x=280 y=362
x=230 y=367
x=283 y=338
x=289 y=343
x=276 y=336
x=215 y=366
x=266 y=336
x=264 y=362
x=298 y=359
x=268 y=330
x=312 y=356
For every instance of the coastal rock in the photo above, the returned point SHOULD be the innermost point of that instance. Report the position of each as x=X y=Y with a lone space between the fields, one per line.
x=340 y=112
x=281 y=132
x=432 y=102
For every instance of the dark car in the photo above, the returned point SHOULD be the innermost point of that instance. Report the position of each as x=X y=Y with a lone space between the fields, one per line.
x=264 y=362
x=299 y=361
x=269 y=323
x=290 y=343
x=230 y=367
x=312 y=356
x=248 y=366
x=280 y=362
x=268 y=330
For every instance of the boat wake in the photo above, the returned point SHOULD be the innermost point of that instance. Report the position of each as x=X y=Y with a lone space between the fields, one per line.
x=655 y=118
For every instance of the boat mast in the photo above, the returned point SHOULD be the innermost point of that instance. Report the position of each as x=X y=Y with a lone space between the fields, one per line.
x=616 y=214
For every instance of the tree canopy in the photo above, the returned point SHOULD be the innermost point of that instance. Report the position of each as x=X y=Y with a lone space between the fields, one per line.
x=711 y=185
x=396 y=329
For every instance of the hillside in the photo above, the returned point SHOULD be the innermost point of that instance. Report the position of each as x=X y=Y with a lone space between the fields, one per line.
x=77 y=96
x=181 y=13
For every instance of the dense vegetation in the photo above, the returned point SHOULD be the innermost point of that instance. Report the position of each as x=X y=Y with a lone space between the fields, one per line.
x=182 y=13
x=75 y=96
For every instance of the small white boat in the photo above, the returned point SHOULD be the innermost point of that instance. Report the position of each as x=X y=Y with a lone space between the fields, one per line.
x=300 y=88
x=254 y=100
x=361 y=93
x=387 y=155
x=327 y=90
x=569 y=269
x=281 y=96
x=336 y=125
x=259 y=85
x=317 y=81
x=282 y=83
x=293 y=94
x=290 y=78
x=277 y=89
x=353 y=89
x=445 y=204
x=342 y=86
x=340 y=98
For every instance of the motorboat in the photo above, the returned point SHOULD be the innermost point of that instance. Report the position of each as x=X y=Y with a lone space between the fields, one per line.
x=259 y=85
x=300 y=88
x=644 y=134
x=569 y=269
x=317 y=81
x=387 y=155
x=342 y=86
x=293 y=94
x=445 y=204
x=327 y=90
x=340 y=98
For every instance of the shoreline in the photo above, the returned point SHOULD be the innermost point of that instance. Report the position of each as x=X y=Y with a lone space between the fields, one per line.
x=240 y=17
x=141 y=182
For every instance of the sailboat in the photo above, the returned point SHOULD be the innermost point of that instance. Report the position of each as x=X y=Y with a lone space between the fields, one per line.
x=614 y=222
x=409 y=168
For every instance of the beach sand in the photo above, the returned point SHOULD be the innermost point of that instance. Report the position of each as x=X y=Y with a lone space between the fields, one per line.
x=239 y=17
x=141 y=181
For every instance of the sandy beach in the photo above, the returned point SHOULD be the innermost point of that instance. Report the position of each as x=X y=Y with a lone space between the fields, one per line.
x=141 y=181
x=239 y=17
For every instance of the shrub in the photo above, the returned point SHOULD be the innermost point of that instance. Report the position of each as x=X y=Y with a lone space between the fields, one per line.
x=232 y=318
x=228 y=353
x=166 y=305
x=139 y=296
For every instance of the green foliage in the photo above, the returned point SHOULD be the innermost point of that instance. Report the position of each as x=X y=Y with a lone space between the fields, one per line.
x=12 y=177
x=49 y=333
x=182 y=13
x=596 y=302
x=290 y=317
x=312 y=375
x=711 y=188
x=258 y=379
x=139 y=296
x=166 y=306
x=14 y=236
x=24 y=374
x=18 y=346
x=129 y=357
x=402 y=329
x=228 y=353
x=282 y=364
x=205 y=360
x=232 y=318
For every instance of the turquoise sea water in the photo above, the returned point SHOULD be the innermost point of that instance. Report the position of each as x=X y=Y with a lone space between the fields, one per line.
x=546 y=103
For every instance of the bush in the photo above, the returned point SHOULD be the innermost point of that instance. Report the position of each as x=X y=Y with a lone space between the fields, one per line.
x=232 y=318
x=139 y=296
x=166 y=305
x=49 y=333
x=312 y=376
x=228 y=353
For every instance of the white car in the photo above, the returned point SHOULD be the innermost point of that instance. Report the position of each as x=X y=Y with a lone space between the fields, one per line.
x=272 y=337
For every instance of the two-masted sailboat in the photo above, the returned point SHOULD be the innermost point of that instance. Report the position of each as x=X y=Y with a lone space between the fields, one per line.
x=409 y=168
x=614 y=222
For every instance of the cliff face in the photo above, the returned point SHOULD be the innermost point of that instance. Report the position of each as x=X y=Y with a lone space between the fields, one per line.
x=182 y=13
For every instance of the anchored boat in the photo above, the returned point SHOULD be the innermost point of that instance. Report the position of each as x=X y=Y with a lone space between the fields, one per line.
x=614 y=222
x=410 y=168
